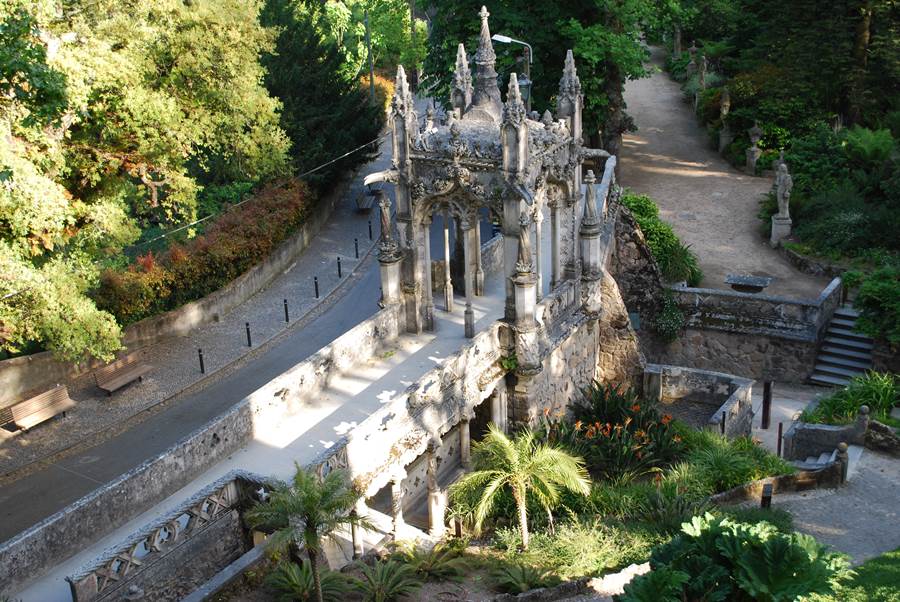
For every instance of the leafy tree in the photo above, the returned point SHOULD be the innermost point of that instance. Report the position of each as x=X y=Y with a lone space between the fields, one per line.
x=604 y=35
x=306 y=511
x=325 y=114
x=527 y=468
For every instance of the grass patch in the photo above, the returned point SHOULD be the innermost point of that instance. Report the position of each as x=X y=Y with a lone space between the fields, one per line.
x=877 y=580
x=880 y=391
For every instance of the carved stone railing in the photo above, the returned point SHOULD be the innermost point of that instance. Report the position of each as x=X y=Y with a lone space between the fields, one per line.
x=120 y=568
x=558 y=305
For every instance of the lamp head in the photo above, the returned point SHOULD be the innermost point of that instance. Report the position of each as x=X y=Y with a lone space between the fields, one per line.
x=501 y=38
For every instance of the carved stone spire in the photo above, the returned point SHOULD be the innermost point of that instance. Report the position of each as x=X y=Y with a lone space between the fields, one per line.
x=524 y=264
x=402 y=102
x=569 y=84
x=514 y=109
x=590 y=221
x=461 y=95
x=486 y=102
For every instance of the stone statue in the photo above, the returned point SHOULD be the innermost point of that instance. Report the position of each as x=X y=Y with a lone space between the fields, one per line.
x=524 y=264
x=704 y=66
x=783 y=185
x=753 y=153
x=725 y=104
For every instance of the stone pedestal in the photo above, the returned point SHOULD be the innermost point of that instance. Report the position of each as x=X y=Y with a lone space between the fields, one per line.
x=725 y=138
x=390 y=277
x=781 y=228
x=465 y=444
x=753 y=155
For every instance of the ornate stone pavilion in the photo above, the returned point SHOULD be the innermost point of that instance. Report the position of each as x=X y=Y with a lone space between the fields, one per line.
x=492 y=154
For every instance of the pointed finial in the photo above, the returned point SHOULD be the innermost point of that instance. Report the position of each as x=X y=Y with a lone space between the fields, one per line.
x=524 y=264
x=485 y=53
x=462 y=78
x=514 y=109
x=547 y=119
x=590 y=222
x=402 y=100
x=569 y=84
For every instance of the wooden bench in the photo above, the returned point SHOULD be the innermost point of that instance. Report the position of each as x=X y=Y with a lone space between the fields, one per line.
x=124 y=370
x=35 y=410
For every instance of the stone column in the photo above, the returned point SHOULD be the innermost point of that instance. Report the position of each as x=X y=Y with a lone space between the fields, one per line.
x=429 y=290
x=465 y=444
x=555 y=234
x=359 y=510
x=527 y=344
x=435 y=496
x=448 y=284
x=592 y=266
x=538 y=220
x=397 y=503
x=499 y=410
x=468 y=265
x=479 y=271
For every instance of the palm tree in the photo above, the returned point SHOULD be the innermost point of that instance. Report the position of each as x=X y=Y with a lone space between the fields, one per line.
x=526 y=466
x=305 y=512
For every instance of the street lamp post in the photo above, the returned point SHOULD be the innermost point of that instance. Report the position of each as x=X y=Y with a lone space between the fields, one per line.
x=524 y=85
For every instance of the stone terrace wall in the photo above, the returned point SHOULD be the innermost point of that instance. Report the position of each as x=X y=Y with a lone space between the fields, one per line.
x=28 y=555
x=41 y=370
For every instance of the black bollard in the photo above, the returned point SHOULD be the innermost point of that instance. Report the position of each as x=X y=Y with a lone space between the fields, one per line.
x=722 y=424
x=287 y=317
x=316 y=284
x=370 y=229
x=766 y=501
x=767 y=404
x=356 y=247
x=202 y=367
x=339 y=267
x=249 y=342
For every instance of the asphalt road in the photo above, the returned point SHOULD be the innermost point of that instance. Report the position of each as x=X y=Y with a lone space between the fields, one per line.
x=38 y=496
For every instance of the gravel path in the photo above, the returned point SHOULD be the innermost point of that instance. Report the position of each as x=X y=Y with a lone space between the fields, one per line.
x=711 y=205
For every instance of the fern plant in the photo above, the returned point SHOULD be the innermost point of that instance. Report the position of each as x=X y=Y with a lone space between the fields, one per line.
x=386 y=581
x=295 y=583
x=518 y=578
x=442 y=562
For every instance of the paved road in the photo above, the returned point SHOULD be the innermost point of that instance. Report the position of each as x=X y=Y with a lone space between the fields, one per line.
x=36 y=497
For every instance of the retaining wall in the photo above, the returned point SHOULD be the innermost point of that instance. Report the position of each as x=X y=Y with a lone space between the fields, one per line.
x=28 y=555
x=41 y=370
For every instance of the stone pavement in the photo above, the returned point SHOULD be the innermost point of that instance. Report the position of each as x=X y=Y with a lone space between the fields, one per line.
x=711 y=205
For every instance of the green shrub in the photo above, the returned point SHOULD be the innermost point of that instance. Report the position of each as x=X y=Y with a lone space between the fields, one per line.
x=518 y=578
x=878 y=390
x=878 y=301
x=442 y=562
x=294 y=583
x=780 y=519
x=386 y=581
x=727 y=560
x=669 y=321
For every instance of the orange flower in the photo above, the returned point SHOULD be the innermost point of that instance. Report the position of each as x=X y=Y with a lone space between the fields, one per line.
x=639 y=433
x=676 y=439
x=578 y=426
x=636 y=408
x=546 y=411
x=666 y=419
x=658 y=478
x=628 y=421
x=590 y=432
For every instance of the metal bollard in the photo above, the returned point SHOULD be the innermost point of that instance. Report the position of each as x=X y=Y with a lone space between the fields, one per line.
x=287 y=317
x=339 y=267
x=249 y=342
x=766 y=500
x=316 y=284
x=202 y=367
x=766 y=404
x=356 y=247
x=778 y=444
x=370 y=229
x=722 y=423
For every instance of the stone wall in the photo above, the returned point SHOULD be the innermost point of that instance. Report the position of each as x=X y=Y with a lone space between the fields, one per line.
x=718 y=393
x=41 y=370
x=634 y=268
x=26 y=556
x=803 y=439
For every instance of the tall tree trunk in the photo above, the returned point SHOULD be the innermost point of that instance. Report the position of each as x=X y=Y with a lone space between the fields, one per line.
x=860 y=60
x=523 y=517
x=314 y=566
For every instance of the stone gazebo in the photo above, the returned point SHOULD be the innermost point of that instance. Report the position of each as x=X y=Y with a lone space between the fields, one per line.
x=487 y=154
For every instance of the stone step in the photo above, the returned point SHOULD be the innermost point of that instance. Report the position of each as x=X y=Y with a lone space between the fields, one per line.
x=839 y=341
x=856 y=354
x=834 y=359
x=828 y=381
x=827 y=457
x=847 y=334
x=837 y=371
x=847 y=323
x=846 y=311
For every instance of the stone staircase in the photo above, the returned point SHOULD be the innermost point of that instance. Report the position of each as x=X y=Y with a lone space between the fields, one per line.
x=844 y=353
x=854 y=454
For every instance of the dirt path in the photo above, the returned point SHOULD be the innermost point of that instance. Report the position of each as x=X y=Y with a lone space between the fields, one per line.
x=711 y=205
